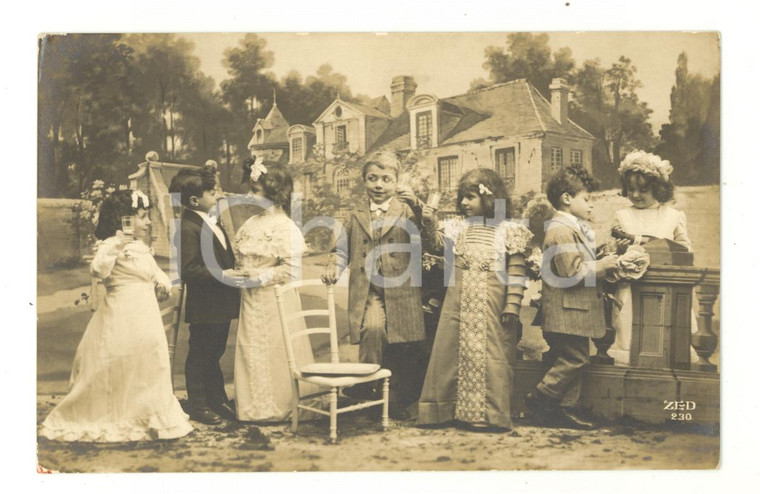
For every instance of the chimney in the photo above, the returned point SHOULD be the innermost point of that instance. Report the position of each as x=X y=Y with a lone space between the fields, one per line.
x=402 y=90
x=560 y=90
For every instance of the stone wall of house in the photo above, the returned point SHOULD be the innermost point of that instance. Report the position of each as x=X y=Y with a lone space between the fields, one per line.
x=567 y=144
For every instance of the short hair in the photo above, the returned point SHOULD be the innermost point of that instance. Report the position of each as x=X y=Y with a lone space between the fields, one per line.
x=113 y=208
x=572 y=180
x=661 y=190
x=191 y=182
x=385 y=160
x=277 y=184
x=471 y=181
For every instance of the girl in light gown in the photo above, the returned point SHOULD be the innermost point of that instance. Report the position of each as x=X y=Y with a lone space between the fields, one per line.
x=268 y=249
x=645 y=180
x=121 y=386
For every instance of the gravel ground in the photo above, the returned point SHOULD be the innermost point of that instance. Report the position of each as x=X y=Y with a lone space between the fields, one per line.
x=363 y=446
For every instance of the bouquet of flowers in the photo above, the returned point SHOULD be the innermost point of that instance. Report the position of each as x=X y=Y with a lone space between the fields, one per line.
x=632 y=264
x=429 y=261
x=533 y=264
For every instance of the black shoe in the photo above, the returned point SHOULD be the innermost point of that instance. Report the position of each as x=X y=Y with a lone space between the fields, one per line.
x=225 y=411
x=205 y=416
x=361 y=391
x=399 y=413
x=566 y=418
x=540 y=404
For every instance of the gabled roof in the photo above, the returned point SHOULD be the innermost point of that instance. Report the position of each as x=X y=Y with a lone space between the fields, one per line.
x=510 y=109
x=367 y=110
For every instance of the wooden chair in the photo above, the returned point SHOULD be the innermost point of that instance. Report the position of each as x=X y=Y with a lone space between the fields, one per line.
x=172 y=326
x=333 y=375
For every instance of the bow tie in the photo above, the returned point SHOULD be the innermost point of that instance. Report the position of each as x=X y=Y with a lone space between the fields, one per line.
x=378 y=207
x=587 y=231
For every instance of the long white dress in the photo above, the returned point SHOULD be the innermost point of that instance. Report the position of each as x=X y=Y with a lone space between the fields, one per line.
x=120 y=381
x=268 y=244
x=658 y=220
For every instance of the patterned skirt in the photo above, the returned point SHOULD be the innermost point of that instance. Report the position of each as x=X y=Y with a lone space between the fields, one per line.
x=469 y=377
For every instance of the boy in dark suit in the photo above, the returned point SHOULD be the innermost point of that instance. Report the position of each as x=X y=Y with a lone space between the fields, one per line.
x=571 y=299
x=385 y=318
x=207 y=269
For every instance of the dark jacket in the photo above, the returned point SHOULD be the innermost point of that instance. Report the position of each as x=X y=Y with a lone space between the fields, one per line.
x=209 y=301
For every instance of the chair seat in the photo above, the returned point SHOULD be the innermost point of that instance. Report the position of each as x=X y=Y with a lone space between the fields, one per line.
x=339 y=381
x=339 y=369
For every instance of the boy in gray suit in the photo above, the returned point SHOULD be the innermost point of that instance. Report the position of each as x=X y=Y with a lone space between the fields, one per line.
x=384 y=315
x=571 y=299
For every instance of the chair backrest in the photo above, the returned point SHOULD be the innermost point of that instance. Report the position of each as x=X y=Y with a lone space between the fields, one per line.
x=171 y=327
x=286 y=318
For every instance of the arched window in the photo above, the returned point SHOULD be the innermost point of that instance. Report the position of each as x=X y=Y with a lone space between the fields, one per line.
x=342 y=182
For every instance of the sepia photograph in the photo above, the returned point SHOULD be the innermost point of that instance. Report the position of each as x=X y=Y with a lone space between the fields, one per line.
x=400 y=251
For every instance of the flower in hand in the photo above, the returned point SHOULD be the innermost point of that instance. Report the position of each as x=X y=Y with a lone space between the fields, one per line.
x=162 y=293
x=633 y=264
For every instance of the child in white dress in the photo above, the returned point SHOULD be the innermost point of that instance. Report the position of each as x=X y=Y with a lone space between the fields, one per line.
x=645 y=180
x=121 y=386
x=268 y=251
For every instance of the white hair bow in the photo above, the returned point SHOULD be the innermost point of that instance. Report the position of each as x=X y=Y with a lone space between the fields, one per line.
x=257 y=168
x=136 y=195
x=484 y=190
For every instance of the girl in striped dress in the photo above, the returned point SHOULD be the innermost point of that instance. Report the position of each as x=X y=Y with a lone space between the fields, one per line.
x=469 y=378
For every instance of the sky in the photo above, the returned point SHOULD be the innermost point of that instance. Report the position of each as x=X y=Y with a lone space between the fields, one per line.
x=444 y=64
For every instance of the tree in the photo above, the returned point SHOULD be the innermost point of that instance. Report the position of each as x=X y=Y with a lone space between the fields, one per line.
x=527 y=56
x=167 y=87
x=691 y=139
x=303 y=102
x=83 y=101
x=605 y=102
x=246 y=93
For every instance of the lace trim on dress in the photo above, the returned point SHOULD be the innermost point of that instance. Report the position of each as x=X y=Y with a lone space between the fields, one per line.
x=168 y=426
x=260 y=386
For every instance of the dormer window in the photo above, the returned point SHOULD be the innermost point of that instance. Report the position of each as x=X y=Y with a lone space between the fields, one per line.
x=424 y=129
x=258 y=135
x=424 y=114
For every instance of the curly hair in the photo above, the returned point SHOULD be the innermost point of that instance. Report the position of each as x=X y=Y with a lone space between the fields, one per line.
x=191 y=182
x=572 y=180
x=661 y=190
x=116 y=205
x=277 y=184
x=470 y=183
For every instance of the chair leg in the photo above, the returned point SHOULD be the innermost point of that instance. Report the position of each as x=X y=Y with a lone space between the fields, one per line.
x=296 y=398
x=333 y=415
x=386 y=393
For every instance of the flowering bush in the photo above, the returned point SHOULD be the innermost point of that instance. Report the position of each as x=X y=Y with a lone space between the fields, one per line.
x=86 y=211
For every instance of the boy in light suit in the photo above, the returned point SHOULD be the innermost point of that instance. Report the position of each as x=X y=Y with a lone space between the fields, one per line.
x=571 y=299
x=385 y=318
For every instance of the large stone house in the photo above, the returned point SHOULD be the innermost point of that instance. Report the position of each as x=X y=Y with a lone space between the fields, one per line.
x=509 y=127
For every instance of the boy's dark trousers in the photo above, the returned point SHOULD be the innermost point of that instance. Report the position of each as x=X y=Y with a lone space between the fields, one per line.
x=203 y=374
x=568 y=356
